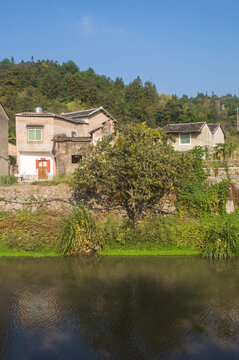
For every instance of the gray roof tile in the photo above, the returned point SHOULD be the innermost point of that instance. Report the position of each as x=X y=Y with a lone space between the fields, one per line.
x=184 y=127
x=213 y=127
x=77 y=117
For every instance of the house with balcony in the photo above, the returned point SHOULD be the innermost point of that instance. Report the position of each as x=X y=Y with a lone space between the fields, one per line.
x=49 y=144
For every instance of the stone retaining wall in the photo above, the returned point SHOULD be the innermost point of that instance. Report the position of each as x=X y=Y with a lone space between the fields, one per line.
x=61 y=197
x=219 y=174
x=26 y=196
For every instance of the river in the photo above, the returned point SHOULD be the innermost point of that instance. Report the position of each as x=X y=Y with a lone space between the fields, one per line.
x=119 y=308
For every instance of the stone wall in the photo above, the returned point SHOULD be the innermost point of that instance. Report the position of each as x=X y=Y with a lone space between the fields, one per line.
x=26 y=196
x=61 y=197
x=219 y=174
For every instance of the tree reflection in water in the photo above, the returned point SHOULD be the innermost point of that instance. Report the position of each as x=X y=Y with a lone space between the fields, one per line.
x=119 y=308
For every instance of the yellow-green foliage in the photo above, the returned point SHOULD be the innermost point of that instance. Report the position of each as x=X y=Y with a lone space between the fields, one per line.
x=79 y=233
x=201 y=198
x=222 y=237
x=154 y=233
x=196 y=194
x=29 y=231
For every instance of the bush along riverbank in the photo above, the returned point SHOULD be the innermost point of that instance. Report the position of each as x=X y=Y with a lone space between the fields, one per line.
x=46 y=233
x=212 y=236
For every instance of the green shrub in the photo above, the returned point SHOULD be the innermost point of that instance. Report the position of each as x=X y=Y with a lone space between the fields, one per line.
x=201 y=198
x=113 y=231
x=195 y=194
x=79 y=233
x=222 y=237
x=8 y=180
x=155 y=232
x=186 y=233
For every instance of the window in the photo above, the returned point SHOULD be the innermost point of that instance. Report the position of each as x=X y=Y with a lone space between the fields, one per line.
x=73 y=134
x=185 y=139
x=75 y=158
x=35 y=134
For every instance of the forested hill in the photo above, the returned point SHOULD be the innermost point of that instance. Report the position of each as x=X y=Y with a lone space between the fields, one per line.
x=61 y=88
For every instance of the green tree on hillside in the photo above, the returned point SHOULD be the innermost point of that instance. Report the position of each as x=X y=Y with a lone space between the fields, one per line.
x=53 y=86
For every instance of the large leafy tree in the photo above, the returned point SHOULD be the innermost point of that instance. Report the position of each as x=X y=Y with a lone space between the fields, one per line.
x=133 y=170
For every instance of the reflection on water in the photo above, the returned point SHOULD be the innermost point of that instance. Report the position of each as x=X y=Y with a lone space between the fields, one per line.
x=119 y=308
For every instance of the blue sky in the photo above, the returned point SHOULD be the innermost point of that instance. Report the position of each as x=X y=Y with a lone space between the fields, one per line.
x=183 y=46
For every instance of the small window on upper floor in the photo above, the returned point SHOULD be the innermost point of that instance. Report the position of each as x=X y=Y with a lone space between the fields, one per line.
x=34 y=133
x=73 y=134
x=185 y=139
x=75 y=158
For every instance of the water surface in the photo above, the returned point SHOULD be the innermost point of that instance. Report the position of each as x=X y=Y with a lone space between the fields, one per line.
x=119 y=308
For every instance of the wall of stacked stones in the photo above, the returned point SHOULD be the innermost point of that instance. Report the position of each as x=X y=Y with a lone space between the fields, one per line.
x=61 y=197
x=26 y=196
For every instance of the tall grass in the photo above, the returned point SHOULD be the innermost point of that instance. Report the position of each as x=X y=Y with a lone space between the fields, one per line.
x=8 y=180
x=222 y=237
x=79 y=233
x=59 y=179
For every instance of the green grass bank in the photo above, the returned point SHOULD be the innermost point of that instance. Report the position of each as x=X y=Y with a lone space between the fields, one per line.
x=26 y=233
x=148 y=252
x=45 y=233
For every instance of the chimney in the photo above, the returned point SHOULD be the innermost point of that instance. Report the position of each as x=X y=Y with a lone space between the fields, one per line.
x=38 y=110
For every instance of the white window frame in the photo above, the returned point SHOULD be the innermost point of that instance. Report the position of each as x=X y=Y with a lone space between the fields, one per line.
x=34 y=128
x=190 y=140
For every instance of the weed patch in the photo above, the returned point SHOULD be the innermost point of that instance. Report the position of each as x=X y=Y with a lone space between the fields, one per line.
x=30 y=231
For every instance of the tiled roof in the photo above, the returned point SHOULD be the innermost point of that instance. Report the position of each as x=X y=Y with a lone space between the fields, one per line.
x=78 y=117
x=213 y=127
x=73 y=139
x=48 y=114
x=184 y=127
x=81 y=113
x=34 y=114
x=94 y=130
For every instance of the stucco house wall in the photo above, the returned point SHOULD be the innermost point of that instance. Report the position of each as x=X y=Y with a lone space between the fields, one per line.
x=97 y=135
x=64 y=150
x=58 y=143
x=96 y=121
x=28 y=152
x=22 y=142
x=201 y=134
x=203 y=138
x=4 y=164
x=218 y=136
x=64 y=127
